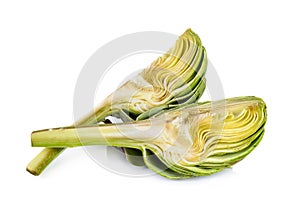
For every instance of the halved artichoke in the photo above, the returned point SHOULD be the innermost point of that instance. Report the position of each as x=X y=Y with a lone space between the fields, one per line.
x=195 y=140
x=174 y=79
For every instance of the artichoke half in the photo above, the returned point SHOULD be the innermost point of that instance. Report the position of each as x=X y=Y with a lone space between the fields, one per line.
x=174 y=79
x=195 y=140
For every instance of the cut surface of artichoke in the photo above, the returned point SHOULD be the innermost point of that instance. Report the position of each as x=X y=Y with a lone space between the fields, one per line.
x=176 y=78
x=195 y=140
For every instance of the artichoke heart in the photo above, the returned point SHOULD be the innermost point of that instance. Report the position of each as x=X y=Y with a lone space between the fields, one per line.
x=209 y=137
x=176 y=78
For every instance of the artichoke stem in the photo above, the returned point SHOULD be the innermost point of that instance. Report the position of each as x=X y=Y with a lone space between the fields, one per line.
x=47 y=155
x=112 y=135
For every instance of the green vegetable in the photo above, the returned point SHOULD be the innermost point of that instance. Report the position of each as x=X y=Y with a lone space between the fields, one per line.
x=174 y=79
x=195 y=140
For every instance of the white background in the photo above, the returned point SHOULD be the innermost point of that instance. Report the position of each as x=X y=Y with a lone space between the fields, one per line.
x=254 y=46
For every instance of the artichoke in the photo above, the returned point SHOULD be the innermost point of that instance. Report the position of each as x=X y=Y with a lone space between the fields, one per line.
x=174 y=79
x=194 y=140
